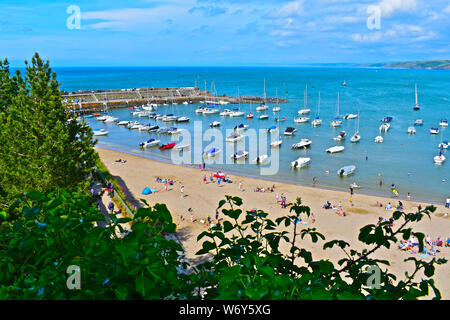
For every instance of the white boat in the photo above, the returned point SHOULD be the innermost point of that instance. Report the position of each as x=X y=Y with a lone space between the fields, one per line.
x=241 y=127
x=149 y=108
x=123 y=123
x=185 y=102
x=144 y=114
x=149 y=143
x=439 y=159
x=241 y=154
x=356 y=137
x=335 y=149
x=169 y=118
x=443 y=145
x=101 y=132
x=350 y=116
x=346 y=171
x=221 y=102
x=317 y=121
x=305 y=109
x=183 y=119
x=301 y=120
x=418 y=122
x=276 y=109
x=290 y=131
x=379 y=139
x=262 y=107
x=182 y=147
x=443 y=123
x=153 y=128
x=136 y=126
x=385 y=127
x=263 y=117
x=159 y=117
x=434 y=131
x=300 y=163
x=211 y=111
x=272 y=129
x=212 y=152
x=416 y=106
x=236 y=114
x=110 y=119
x=304 y=143
x=275 y=144
x=174 y=131
x=101 y=118
x=226 y=113
x=144 y=128
x=336 y=122
x=235 y=138
x=132 y=123
x=199 y=110
x=411 y=130
x=340 y=137
x=261 y=159
x=214 y=124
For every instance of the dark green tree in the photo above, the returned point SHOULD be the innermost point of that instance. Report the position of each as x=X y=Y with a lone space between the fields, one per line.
x=40 y=148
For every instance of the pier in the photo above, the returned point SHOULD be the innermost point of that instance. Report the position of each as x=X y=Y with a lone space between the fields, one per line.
x=97 y=100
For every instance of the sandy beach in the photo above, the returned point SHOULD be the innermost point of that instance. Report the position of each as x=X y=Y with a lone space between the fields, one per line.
x=203 y=198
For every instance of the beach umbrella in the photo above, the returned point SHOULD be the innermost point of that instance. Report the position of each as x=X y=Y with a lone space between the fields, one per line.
x=146 y=191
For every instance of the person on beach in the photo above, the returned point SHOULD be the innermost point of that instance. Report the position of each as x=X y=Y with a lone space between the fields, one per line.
x=381 y=183
x=276 y=197
x=165 y=186
x=408 y=197
x=240 y=186
x=182 y=191
x=314 y=181
x=313 y=219
x=351 y=190
x=217 y=215
x=204 y=166
x=204 y=178
x=447 y=203
x=351 y=201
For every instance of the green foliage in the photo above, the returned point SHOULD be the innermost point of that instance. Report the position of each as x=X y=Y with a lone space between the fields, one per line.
x=246 y=262
x=57 y=230
x=40 y=149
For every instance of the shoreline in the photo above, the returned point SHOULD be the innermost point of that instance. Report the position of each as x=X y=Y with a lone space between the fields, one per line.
x=242 y=175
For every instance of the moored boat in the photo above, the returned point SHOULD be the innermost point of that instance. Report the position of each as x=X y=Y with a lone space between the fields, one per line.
x=300 y=163
x=346 y=171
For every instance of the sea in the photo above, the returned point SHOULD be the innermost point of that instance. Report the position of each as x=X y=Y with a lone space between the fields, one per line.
x=403 y=159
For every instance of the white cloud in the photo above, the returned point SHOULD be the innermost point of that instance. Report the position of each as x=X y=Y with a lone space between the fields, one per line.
x=389 y=7
x=447 y=9
x=290 y=9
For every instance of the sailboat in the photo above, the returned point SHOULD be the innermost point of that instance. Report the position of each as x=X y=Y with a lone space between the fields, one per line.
x=237 y=113
x=305 y=109
x=356 y=137
x=250 y=115
x=416 y=106
x=337 y=122
x=277 y=107
x=263 y=106
x=317 y=121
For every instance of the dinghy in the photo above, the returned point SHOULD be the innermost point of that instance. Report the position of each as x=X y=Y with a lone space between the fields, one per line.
x=263 y=117
x=290 y=131
x=335 y=149
x=418 y=122
x=439 y=159
x=350 y=116
x=301 y=120
x=241 y=154
x=443 y=123
x=434 y=130
x=304 y=143
x=167 y=146
x=212 y=152
x=280 y=119
x=346 y=171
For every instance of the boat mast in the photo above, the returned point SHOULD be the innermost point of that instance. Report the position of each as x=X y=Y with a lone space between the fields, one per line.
x=306 y=96
x=264 y=91
x=417 y=100
x=318 y=114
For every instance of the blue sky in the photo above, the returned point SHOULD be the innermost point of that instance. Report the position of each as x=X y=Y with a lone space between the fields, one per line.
x=229 y=32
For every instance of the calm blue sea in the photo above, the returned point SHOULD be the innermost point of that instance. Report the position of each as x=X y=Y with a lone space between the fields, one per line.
x=405 y=160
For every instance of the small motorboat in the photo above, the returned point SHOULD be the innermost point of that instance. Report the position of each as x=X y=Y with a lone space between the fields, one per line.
x=212 y=152
x=153 y=128
x=439 y=159
x=159 y=117
x=434 y=130
x=379 y=139
x=101 y=132
x=418 y=122
x=276 y=109
x=276 y=143
x=300 y=163
x=169 y=118
x=185 y=102
x=443 y=145
x=350 y=116
x=101 y=118
x=386 y=119
x=250 y=116
x=214 y=124
x=241 y=127
x=280 y=119
x=144 y=128
x=167 y=146
x=272 y=128
x=163 y=130
x=443 y=123
x=346 y=171
x=235 y=137
x=182 y=147
x=316 y=122
x=340 y=137
x=149 y=143
x=88 y=116
x=261 y=159
x=236 y=113
x=290 y=131
x=411 y=130
x=183 y=119
x=356 y=138
x=301 y=120
x=199 y=110
x=96 y=115
x=211 y=111
x=304 y=111
x=123 y=123
x=304 y=143
x=135 y=126
x=385 y=127
x=263 y=117
x=241 y=154
x=110 y=119
x=335 y=149
x=173 y=131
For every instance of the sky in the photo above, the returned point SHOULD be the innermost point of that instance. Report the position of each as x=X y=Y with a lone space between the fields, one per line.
x=224 y=32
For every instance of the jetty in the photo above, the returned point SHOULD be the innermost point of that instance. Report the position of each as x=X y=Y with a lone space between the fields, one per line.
x=96 y=100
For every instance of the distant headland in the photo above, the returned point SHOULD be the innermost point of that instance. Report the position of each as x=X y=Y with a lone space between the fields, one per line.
x=425 y=64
